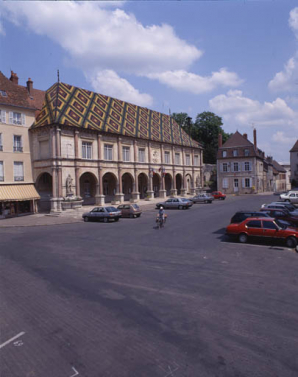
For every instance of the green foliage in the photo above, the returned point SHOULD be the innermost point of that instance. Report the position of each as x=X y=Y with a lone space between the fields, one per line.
x=180 y=118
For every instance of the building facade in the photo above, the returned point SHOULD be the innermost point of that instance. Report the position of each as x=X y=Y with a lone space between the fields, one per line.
x=241 y=167
x=280 y=177
x=18 y=105
x=294 y=165
x=104 y=150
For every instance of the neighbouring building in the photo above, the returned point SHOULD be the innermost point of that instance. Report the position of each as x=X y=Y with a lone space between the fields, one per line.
x=294 y=165
x=101 y=149
x=280 y=177
x=18 y=105
x=242 y=168
x=287 y=167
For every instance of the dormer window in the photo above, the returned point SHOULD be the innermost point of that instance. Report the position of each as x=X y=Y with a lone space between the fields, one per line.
x=3 y=93
x=246 y=152
x=224 y=153
x=235 y=153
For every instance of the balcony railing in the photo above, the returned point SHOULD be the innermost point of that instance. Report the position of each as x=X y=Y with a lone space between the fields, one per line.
x=17 y=149
x=19 y=178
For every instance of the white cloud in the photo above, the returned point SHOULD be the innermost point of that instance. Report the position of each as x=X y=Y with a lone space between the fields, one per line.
x=2 y=31
x=280 y=137
x=243 y=111
x=190 y=82
x=109 y=83
x=287 y=79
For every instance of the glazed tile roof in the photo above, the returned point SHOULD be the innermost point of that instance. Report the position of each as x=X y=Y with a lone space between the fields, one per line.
x=18 y=95
x=295 y=147
x=72 y=106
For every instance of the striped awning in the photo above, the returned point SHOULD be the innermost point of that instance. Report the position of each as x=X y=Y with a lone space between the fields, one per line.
x=18 y=193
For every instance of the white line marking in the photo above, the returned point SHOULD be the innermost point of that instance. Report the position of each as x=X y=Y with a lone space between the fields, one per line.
x=76 y=372
x=11 y=340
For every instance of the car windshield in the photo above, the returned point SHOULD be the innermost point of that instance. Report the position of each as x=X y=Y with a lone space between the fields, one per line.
x=281 y=224
x=111 y=209
x=135 y=206
x=184 y=200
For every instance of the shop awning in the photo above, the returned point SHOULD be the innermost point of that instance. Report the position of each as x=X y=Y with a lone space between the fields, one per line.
x=9 y=193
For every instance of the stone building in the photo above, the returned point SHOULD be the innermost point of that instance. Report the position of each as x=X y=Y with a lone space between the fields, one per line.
x=280 y=177
x=18 y=105
x=103 y=150
x=294 y=165
x=242 y=168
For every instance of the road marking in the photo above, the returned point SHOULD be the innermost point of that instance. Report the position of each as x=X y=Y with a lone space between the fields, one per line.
x=11 y=340
x=76 y=372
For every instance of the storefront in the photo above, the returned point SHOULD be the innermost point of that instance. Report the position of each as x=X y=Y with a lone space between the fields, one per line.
x=17 y=200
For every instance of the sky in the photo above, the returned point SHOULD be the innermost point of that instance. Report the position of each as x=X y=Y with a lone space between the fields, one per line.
x=238 y=59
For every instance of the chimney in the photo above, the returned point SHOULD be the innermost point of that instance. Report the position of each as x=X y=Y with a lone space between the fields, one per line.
x=245 y=136
x=255 y=138
x=219 y=140
x=14 y=78
x=30 y=86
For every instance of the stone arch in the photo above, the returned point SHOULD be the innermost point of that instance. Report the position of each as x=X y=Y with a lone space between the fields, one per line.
x=44 y=187
x=168 y=183
x=127 y=185
x=179 y=183
x=143 y=184
x=188 y=183
x=156 y=184
x=88 y=183
x=109 y=185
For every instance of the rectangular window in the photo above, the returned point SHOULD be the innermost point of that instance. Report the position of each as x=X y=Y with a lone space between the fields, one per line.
x=18 y=171
x=87 y=150
x=1 y=172
x=187 y=159
x=246 y=152
x=247 y=183
x=246 y=166
x=225 y=183
x=225 y=167
x=196 y=160
x=236 y=166
x=126 y=153
x=16 y=118
x=108 y=152
x=1 y=145
x=177 y=158
x=235 y=153
x=17 y=143
x=224 y=153
x=141 y=154
x=167 y=157
x=2 y=116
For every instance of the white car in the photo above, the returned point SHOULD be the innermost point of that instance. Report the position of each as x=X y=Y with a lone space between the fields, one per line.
x=291 y=196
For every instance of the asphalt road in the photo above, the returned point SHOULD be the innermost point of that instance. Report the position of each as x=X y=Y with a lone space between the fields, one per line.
x=127 y=300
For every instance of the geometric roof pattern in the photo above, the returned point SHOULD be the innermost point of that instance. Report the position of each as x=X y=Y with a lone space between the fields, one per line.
x=76 y=107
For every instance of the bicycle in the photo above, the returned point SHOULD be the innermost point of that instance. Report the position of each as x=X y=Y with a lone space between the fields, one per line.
x=161 y=221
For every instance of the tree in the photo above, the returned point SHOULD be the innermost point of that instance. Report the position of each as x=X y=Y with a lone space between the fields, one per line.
x=180 y=118
x=205 y=130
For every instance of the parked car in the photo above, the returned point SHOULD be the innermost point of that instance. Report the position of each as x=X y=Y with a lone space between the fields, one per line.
x=291 y=196
x=218 y=195
x=104 y=214
x=280 y=205
x=130 y=210
x=281 y=214
x=180 y=203
x=202 y=198
x=242 y=215
x=263 y=227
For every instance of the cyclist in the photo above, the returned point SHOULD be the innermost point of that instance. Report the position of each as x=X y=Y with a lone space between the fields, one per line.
x=161 y=215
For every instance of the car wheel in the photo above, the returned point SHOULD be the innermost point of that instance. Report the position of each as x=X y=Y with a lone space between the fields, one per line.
x=86 y=219
x=131 y=216
x=116 y=218
x=291 y=242
x=180 y=207
x=242 y=238
x=105 y=219
x=296 y=248
x=210 y=201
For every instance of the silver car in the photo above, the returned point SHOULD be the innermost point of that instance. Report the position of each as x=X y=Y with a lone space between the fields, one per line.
x=202 y=198
x=104 y=214
x=291 y=196
x=178 y=203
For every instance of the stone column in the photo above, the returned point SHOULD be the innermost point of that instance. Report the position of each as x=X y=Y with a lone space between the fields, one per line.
x=99 y=146
x=162 y=192
x=135 y=194
x=59 y=199
x=150 y=192
x=53 y=144
x=58 y=142
x=135 y=150
x=119 y=197
x=77 y=173
x=76 y=140
x=99 y=197
x=54 y=190
x=173 y=189
x=119 y=149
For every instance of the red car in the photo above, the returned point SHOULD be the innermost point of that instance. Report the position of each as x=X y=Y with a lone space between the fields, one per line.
x=260 y=227
x=218 y=195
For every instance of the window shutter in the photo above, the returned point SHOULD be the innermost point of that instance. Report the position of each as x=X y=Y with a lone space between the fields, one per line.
x=243 y=182
x=250 y=182
x=10 y=117
x=23 y=119
x=228 y=166
x=232 y=166
x=221 y=167
x=3 y=116
x=250 y=165
x=1 y=169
